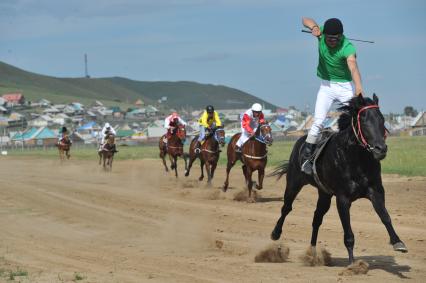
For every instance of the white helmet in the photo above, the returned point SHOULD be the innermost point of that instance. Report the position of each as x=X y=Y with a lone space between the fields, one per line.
x=107 y=125
x=256 y=107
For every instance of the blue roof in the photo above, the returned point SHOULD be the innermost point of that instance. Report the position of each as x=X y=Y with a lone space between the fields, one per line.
x=46 y=133
x=25 y=135
x=87 y=126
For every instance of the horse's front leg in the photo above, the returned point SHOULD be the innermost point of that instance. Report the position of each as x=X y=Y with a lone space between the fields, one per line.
x=100 y=157
x=68 y=154
x=230 y=164
x=192 y=158
x=249 y=173
x=202 y=169
x=163 y=158
x=175 y=165
x=261 y=175
x=343 y=207
x=209 y=174
x=377 y=197
x=213 y=168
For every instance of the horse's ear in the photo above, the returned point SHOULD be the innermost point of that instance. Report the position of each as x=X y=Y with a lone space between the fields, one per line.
x=375 y=99
x=359 y=101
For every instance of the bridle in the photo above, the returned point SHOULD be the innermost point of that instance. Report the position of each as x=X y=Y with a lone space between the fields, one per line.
x=266 y=139
x=219 y=139
x=358 y=131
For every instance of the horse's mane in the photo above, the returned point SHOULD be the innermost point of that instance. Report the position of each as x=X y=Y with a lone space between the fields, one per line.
x=351 y=110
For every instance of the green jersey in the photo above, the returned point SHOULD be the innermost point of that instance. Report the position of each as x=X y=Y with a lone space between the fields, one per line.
x=332 y=65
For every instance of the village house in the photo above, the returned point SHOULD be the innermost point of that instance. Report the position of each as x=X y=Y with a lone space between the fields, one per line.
x=418 y=126
x=13 y=99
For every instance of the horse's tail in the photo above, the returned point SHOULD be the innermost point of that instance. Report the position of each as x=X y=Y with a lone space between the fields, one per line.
x=280 y=170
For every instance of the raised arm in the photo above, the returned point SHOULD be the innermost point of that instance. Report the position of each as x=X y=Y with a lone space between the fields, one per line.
x=312 y=25
x=356 y=77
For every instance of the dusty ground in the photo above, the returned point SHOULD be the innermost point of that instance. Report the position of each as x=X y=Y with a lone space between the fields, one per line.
x=138 y=224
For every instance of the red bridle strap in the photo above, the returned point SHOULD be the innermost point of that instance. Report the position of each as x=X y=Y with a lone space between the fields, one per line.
x=359 y=136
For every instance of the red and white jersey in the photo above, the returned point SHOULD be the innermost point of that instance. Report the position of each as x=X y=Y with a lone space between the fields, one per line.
x=250 y=123
x=169 y=120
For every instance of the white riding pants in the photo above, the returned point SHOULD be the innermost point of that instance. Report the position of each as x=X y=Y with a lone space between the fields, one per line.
x=244 y=137
x=328 y=93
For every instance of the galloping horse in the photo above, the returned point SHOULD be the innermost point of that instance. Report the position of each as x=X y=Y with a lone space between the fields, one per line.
x=107 y=152
x=174 y=148
x=209 y=154
x=64 y=147
x=253 y=156
x=348 y=167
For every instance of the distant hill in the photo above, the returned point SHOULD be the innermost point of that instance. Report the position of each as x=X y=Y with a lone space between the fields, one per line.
x=117 y=90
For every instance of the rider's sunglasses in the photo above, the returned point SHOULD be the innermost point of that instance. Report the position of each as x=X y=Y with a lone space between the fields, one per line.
x=333 y=38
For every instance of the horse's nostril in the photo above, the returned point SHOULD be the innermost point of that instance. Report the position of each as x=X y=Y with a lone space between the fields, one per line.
x=381 y=148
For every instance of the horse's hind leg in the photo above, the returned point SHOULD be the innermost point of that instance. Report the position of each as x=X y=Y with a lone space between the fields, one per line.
x=202 y=170
x=294 y=185
x=323 y=205
x=377 y=198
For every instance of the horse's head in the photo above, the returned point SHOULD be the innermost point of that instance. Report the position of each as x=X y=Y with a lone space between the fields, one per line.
x=181 y=132
x=110 y=139
x=264 y=134
x=367 y=123
x=219 y=135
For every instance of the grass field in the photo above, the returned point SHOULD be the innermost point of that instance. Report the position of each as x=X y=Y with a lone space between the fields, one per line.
x=406 y=155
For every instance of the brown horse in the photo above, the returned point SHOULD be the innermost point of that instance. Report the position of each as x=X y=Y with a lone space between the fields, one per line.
x=253 y=156
x=107 y=152
x=174 y=147
x=64 y=146
x=209 y=154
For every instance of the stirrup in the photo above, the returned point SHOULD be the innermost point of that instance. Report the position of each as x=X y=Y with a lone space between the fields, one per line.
x=197 y=150
x=307 y=167
x=237 y=149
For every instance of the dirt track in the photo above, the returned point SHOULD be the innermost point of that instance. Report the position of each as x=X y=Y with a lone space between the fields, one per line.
x=138 y=224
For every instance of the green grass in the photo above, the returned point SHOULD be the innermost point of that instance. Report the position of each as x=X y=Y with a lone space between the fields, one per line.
x=406 y=155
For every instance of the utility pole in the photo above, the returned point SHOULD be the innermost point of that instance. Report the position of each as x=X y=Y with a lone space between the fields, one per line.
x=86 y=72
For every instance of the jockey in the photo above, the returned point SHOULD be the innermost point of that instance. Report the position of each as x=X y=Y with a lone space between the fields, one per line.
x=106 y=130
x=339 y=74
x=251 y=119
x=63 y=133
x=171 y=123
x=208 y=121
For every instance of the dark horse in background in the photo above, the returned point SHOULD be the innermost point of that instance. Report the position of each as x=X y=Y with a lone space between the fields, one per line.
x=209 y=154
x=174 y=148
x=107 y=152
x=253 y=156
x=348 y=168
x=64 y=146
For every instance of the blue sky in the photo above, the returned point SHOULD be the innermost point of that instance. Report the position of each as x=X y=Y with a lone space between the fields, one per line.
x=252 y=45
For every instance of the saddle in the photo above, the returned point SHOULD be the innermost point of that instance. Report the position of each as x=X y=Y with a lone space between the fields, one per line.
x=326 y=136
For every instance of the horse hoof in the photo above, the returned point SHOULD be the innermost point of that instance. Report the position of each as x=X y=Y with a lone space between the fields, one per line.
x=400 y=247
x=186 y=174
x=275 y=236
x=259 y=187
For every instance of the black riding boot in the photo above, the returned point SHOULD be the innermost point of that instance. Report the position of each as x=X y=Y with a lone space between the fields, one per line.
x=114 y=149
x=306 y=160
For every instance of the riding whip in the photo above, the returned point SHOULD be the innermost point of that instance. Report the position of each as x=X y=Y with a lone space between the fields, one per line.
x=360 y=40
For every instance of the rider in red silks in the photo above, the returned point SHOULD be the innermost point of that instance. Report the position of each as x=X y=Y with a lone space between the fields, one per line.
x=251 y=119
x=171 y=123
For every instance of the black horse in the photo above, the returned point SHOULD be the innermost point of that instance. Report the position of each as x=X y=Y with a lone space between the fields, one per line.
x=348 y=167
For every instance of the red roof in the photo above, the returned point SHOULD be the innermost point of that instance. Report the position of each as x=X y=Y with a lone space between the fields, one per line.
x=13 y=97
